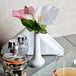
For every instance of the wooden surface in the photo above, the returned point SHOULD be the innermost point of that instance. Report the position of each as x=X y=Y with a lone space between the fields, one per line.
x=67 y=42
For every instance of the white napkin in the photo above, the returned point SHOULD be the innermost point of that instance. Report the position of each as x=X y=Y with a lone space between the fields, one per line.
x=49 y=46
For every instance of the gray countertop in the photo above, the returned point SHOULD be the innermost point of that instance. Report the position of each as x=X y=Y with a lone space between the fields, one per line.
x=67 y=42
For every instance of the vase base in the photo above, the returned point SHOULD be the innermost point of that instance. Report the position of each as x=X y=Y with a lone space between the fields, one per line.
x=37 y=64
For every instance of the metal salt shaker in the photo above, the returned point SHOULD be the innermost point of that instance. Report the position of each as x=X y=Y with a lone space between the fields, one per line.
x=22 y=45
x=13 y=46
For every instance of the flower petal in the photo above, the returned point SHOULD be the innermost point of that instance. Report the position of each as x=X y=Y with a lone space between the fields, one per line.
x=21 y=11
x=31 y=10
x=50 y=13
x=53 y=17
x=18 y=13
x=38 y=14
x=46 y=9
x=26 y=11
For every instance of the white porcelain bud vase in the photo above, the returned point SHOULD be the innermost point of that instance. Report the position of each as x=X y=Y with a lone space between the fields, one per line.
x=37 y=60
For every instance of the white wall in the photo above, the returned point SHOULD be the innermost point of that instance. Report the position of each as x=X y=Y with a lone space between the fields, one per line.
x=64 y=25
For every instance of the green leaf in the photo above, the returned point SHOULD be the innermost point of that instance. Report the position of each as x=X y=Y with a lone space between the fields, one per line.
x=43 y=26
x=26 y=22
x=29 y=24
x=34 y=26
x=43 y=31
x=29 y=29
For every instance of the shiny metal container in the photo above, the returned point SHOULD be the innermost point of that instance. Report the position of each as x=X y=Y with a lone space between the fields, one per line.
x=13 y=46
x=22 y=39
x=22 y=45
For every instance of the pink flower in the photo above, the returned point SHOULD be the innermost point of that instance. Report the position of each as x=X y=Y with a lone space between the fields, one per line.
x=19 y=14
x=29 y=10
x=23 y=13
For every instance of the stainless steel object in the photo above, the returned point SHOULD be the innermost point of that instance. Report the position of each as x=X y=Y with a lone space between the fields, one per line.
x=22 y=39
x=13 y=46
x=22 y=45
